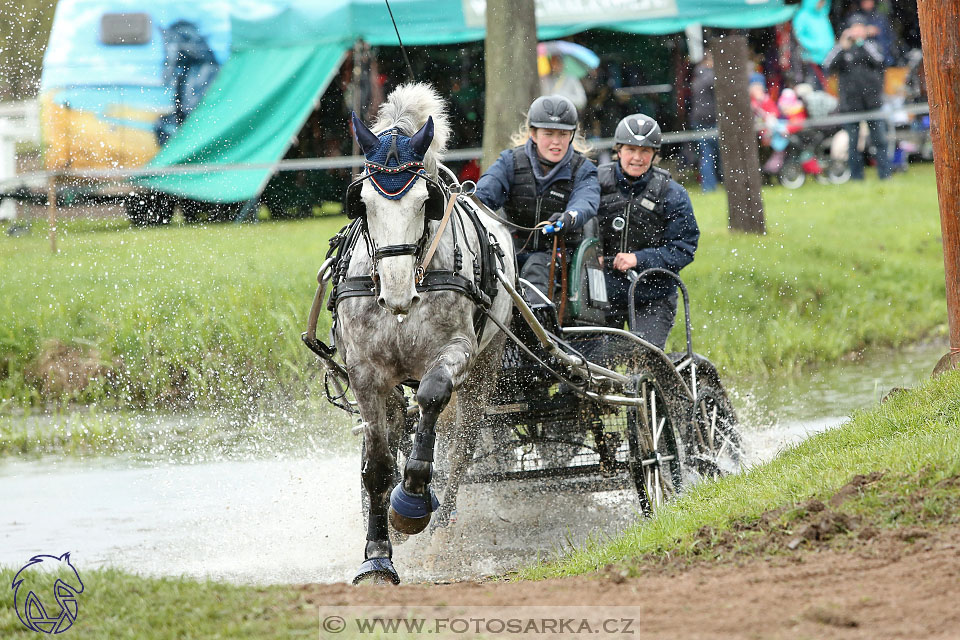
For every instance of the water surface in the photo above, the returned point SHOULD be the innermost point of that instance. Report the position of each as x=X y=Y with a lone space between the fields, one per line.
x=270 y=517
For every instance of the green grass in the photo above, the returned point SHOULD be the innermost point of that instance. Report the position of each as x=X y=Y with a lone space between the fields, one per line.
x=841 y=268
x=159 y=317
x=211 y=316
x=119 y=605
x=912 y=438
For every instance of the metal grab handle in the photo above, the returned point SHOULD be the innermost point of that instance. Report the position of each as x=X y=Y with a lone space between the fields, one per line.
x=635 y=278
x=322 y=278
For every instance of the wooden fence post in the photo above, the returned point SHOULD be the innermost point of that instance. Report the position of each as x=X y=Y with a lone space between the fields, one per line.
x=52 y=210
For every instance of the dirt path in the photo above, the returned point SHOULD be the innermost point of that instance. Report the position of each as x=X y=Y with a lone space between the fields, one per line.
x=899 y=584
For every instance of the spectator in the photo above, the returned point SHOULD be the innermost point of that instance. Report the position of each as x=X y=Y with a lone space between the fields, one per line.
x=878 y=29
x=703 y=115
x=813 y=31
x=818 y=103
x=858 y=63
x=772 y=130
x=563 y=83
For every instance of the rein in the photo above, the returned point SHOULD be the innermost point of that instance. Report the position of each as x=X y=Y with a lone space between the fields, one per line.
x=451 y=202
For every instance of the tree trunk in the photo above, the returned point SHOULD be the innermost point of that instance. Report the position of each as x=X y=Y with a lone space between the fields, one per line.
x=738 y=140
x=941 y=51
x=510 y=56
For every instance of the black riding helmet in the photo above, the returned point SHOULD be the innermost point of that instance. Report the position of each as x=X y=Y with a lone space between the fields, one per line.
x=639 y=130
x=553 y=112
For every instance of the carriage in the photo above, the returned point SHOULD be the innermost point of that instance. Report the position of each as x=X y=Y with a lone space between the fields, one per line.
x=578 y=404
x=428 y=313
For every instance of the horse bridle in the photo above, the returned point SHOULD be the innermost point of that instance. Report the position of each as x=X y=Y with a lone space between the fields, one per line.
x=435 y=207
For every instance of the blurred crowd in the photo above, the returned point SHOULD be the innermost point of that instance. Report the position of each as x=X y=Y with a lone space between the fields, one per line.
x=809 y=70
x=834 y=56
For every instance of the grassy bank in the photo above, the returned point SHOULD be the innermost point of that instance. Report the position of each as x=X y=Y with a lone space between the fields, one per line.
x=158 y=317
x=211 y=316
x=118 y=605
x=904 y=452
x=909 y=481
x=840 y=269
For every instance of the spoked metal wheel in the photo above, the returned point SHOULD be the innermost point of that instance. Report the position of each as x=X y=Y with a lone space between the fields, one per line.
x=792 y=175
x=713 y=445
x=656 y=456
x=832 y=171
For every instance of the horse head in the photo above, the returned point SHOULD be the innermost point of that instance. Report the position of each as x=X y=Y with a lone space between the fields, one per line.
x=397 y=197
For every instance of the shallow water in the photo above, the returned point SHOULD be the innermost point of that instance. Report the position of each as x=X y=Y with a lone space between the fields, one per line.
x=297 y=519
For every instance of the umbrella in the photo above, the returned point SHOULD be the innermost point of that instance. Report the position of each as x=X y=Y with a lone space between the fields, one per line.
x=577 y=59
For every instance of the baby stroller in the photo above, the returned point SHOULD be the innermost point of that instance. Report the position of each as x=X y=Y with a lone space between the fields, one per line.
x=809 y=153
x=815 y=151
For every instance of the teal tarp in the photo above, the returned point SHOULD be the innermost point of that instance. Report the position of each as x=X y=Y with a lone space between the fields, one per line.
x=285 y=54
x=256 y=105
x=425 y=22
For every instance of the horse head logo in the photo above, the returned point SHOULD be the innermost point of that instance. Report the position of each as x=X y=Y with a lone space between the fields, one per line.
x=39 y=577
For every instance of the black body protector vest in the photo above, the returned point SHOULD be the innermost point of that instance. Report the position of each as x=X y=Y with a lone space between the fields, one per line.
x=631 y=223
x=527 y=208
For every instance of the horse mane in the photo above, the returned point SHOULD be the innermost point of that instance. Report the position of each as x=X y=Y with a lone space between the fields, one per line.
x=407 y=108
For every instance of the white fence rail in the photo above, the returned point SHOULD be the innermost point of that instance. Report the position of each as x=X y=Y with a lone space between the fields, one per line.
x=40 y=178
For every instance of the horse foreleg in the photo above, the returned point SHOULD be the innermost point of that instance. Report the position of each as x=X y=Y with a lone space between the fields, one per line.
x=412 y=501
x=378 y=473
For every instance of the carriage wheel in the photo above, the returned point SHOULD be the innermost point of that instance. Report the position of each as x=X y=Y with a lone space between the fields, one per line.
x=713 y=444
x=655 y=450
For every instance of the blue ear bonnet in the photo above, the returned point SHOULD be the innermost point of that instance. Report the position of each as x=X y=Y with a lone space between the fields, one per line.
x=394 y=165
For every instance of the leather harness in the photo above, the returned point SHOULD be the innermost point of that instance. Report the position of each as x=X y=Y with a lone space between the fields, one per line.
x=481 y=290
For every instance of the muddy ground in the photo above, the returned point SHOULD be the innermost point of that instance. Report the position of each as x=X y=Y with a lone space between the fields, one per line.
x=894 y=584
x=815 y=570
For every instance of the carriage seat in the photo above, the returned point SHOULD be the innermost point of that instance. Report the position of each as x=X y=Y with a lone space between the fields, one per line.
x=587 y=299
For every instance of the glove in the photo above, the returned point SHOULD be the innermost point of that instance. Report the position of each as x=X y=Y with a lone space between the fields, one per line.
x=561 y=222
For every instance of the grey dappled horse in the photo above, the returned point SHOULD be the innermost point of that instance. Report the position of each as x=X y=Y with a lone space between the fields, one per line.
x=400 y=333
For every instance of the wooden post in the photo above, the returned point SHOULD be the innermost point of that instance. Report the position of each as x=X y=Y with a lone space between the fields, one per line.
x=939 y=20
x=738 y=140
x=510 y=61
x=52 y=210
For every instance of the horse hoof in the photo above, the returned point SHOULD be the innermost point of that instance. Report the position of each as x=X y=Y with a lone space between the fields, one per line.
x=377 y=571
x=409 y=526
x=410 y=513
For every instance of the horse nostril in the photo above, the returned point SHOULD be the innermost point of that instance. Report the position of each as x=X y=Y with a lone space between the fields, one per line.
x=381 y=302
x=415 y=299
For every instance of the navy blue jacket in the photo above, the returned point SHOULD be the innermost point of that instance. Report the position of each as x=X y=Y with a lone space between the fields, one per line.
x=494 y=185
x=682 y=233
x=679 y=241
